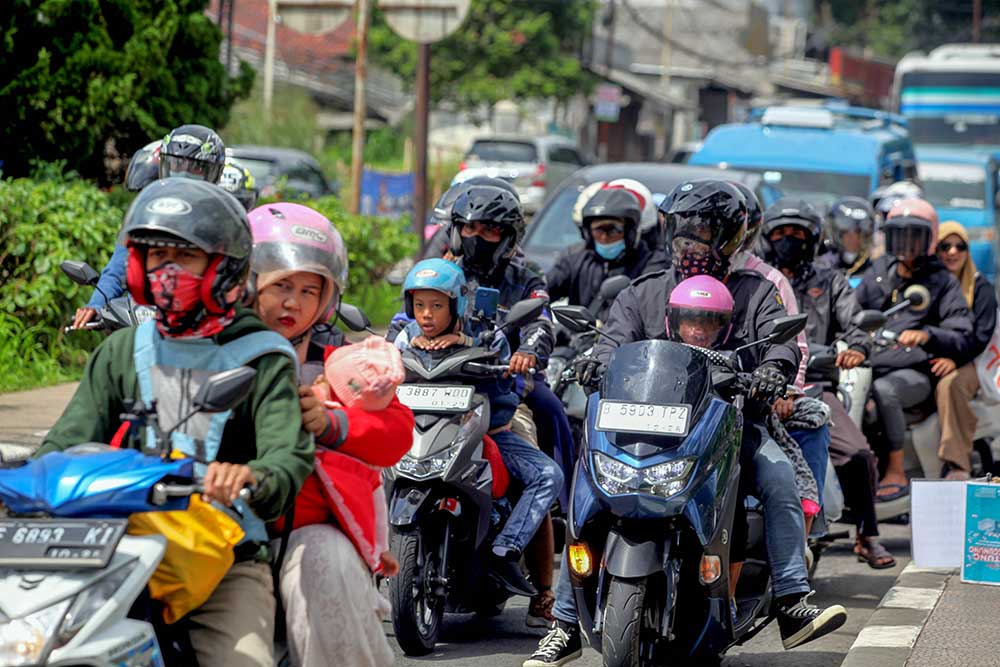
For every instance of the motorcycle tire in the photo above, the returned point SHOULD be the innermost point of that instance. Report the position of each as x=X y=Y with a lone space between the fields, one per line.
x=416 y=618
x=623 y=625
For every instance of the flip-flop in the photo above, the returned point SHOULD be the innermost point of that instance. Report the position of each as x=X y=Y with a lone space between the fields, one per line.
x=876 y=552
x=903 y=490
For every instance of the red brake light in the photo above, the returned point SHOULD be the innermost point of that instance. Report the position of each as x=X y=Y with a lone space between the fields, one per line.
x=539 y=181
x=461 y=165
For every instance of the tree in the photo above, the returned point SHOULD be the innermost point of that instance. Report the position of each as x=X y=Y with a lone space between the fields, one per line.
x=77 y=74
x=505 y=49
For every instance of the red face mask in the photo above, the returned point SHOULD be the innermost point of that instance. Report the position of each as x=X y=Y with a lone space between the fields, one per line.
x=180 y=311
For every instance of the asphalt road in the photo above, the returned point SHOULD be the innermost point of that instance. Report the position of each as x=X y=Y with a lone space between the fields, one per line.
x=505 y=641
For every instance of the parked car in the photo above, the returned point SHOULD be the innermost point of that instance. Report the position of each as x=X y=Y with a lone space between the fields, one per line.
x=294 y=172
x=535 y=165
x=683 y=153
x=552 y=229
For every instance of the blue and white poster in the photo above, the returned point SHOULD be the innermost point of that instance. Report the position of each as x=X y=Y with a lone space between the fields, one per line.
x=386 y=195
x=981 y=564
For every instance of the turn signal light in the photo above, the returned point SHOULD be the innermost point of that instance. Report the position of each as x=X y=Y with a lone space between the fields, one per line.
x=711 y=569
x=579 y=560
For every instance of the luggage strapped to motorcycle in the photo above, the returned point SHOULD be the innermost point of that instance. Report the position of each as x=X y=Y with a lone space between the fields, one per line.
x=161 y=364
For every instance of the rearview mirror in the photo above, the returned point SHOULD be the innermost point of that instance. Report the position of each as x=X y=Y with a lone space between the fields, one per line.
x=525 y=311
x=612 y=286
x=575 y=318
x=352 y=317
x=80 y=272
x=787 y=328
x=869 y=320
x=224 y=391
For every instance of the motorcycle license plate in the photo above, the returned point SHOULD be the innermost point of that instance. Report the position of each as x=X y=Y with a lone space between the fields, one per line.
x=644 y=418
x=54 y=544
x=435 y=397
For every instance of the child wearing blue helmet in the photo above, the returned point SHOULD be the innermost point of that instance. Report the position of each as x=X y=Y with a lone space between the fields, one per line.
x=434 y=294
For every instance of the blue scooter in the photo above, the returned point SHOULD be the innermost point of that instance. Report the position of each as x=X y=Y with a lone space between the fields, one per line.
x=653 y=502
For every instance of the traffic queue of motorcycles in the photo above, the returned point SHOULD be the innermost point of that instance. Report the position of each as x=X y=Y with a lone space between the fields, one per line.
x=660 y=530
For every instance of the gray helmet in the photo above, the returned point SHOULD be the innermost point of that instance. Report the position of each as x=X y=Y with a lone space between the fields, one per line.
x=193 y=151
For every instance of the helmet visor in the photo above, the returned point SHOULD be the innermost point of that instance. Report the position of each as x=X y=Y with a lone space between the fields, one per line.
x=907 y=243
x=708 y=231
x=704 y=328
x=185 y=167
x=293 y=257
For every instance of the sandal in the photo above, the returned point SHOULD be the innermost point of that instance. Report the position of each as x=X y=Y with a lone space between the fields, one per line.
x=540 y=609
x=901 y=491
x=874 y=554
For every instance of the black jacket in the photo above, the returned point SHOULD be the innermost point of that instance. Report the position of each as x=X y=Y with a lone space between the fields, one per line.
x=579 y=271
x=946 y=318
x=828 y=300
x=640 y=311
x=984 y=318
x=835 y=261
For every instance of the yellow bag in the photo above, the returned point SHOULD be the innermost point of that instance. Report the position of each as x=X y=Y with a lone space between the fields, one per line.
x=199 y=553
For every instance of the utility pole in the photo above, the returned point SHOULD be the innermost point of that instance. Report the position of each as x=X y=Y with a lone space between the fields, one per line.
x=360 y=105
x=422 y=111
x=229 y=37
x=977 y=12
x=610 y=48
x=665 y=58
x=272 y=16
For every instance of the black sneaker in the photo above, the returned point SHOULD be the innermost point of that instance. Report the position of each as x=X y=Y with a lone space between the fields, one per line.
x=559 y=646
x=801 y=622
x=506 y=570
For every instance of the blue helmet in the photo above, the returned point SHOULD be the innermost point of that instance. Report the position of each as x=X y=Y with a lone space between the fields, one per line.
x=439 y=275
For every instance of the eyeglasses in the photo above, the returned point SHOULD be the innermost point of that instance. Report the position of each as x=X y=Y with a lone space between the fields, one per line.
x=946 y=247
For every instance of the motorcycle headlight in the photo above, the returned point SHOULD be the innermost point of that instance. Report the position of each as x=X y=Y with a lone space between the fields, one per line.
x=437 y=464
x=664 y=480
x=29 y=640
x=555 y=370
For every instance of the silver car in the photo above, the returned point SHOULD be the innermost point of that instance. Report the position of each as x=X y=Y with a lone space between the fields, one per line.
x=534 y=165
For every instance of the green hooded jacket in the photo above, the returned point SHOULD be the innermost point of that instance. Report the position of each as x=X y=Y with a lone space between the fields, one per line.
x=264 y=432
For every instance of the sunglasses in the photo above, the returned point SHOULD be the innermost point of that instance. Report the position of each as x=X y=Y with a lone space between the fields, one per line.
x=946 y=247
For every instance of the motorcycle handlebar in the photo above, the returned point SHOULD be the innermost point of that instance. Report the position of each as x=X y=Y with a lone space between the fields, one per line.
x=89 y=326
x=493 y=368
x=162 y=492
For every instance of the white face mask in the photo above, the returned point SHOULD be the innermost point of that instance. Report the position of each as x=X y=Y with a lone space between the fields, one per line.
x=849 y=257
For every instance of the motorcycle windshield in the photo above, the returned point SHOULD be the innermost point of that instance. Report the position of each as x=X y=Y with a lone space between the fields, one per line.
x=661 y=372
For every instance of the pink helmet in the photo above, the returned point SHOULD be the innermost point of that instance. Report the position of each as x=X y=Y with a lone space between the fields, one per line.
x=911 y=228
x=705 y=300
x=288 y=238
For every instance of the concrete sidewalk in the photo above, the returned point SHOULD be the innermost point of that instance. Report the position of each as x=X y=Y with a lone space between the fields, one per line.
x=929 y=618
x=26 y=416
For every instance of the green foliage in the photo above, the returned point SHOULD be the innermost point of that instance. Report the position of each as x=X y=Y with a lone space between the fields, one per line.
x=43 y=223
x=76 y=75
x=505 y=49
x=292 y=125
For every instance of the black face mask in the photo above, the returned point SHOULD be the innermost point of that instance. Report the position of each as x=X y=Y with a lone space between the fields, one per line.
x=790 y=252
x=480 y=255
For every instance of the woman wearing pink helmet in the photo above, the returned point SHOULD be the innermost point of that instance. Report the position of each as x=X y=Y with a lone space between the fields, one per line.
x=700 y=312
x=330 y=541
x=939 y=326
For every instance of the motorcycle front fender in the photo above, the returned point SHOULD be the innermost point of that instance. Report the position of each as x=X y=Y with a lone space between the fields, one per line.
x=629 y=557
x=408 y=506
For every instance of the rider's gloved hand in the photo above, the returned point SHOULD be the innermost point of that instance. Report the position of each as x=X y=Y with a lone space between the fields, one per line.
x=588 y=370
x=767 y=383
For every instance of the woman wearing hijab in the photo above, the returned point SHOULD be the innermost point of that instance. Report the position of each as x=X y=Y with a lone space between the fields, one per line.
x=959 y=382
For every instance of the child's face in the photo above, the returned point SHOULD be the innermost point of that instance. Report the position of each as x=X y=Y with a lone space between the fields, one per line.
x=189 y=259
x=699 y=331
x=432 y=311
x=291 y=305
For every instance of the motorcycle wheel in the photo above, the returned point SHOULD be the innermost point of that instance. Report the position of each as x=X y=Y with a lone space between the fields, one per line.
x=628 y=639
x=416 y=611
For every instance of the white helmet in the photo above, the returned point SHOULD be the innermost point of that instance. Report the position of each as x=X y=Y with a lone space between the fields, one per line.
x=645 y=197
x=585 y=194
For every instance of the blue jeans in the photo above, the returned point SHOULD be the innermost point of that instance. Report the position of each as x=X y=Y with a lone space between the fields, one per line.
x=553 y=430
x=112 y=281
x=815 y=446
x=542 y=481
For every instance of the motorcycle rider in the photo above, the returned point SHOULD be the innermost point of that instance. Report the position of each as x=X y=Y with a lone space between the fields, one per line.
x=191 y=151
x=298 y=277
x=706 y=226
x=440 y=243
x=852 y=223
x=941 y=327
x=238 y=181
x=791 y=235
x=612 y=246
x=434 y=295
x=191 y=267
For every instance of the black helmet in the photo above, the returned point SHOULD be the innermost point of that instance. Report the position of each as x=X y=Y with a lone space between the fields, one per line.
x=441 y=213
x=494 y=206
x=851 y=214
x=616 y=203
x=188 y=212
x=706 y=224
x=755 y=214
x=790 y=252
x=143 y=167
x=193 y=151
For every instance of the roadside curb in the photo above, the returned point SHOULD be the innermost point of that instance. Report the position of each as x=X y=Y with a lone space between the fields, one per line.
x=888 y=637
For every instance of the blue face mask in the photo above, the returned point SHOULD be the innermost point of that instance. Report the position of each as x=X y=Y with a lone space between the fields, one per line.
x=610 y=250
